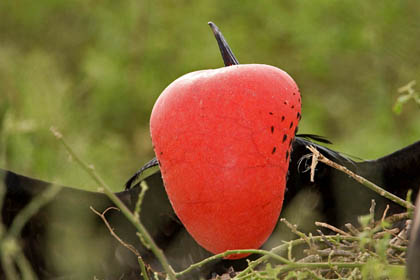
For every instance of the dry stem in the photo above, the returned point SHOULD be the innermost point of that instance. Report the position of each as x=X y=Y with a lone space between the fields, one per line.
x=127 y=213
x=317 y=156
x=111 y=230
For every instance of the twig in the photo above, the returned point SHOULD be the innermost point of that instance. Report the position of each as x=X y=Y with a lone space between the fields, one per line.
x=372 y=212
x=31 y=209
x=392 y=219
x=143 y=241
x=397 y=217
x=330 y=252
x=268 y=254
x=320 y=265
x=314 y=163
x=330 y=262
x=111 y=230
x=381 y=234
x=286 y=245
x=143 y=268
x=352 y=229
x=8 y=266
x=325 y=239
x=137 y=209
x=127 y=213
x=311 y=259
x=319 y=157
x=313 y=275
x=333 y=228
x=289 y=252
x=25 y=266
x=384 y=214
x=294 y=229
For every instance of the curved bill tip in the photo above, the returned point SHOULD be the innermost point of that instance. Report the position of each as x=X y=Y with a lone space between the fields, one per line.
x=214 y=28
x=227 y=54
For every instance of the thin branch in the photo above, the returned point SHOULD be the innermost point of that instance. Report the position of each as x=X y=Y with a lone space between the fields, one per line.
x=372 y=212
x=281 y=248
x=25 y=266
x=88 y=168
x=326 y=265
x=397 y=217
x=294 y=229
x=352 y=229
x=268 y=254
x=319 y=157
x=137 y=209
x=111 y=230
x=127 y=213
x=326 y=241
x=384 y=214
x=7 y=264
x=31 y=209
x=314 y=162
x=330 y=252
x=314 y=275
x=143 y=268
x=333 y=228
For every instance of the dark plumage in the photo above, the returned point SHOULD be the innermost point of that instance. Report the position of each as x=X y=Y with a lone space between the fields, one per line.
x=75 y=229
x=66 y=240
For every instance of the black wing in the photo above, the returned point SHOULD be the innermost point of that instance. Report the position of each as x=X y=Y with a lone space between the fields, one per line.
x=50 y=237
x=66 y=239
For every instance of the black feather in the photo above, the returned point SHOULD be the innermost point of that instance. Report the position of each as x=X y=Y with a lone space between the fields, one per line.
x=133 y=181
x=314 y=137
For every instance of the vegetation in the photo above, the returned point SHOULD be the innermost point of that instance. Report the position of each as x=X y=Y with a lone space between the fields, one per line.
x=94 y=71
x=374 y=249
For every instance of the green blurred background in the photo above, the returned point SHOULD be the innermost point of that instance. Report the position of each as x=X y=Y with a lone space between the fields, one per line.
x=93 y=69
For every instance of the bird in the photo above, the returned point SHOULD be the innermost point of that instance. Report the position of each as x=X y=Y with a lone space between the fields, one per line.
x=65 y=239
x=384 y=170
x=50 y=237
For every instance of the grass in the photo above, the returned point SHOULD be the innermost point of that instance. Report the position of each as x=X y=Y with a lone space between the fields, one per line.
x=96 y=71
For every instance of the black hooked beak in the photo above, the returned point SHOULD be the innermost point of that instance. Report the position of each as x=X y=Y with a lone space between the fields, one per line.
x=227 y=54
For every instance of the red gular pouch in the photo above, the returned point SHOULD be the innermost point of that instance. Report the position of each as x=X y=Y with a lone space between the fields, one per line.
x=223 y=138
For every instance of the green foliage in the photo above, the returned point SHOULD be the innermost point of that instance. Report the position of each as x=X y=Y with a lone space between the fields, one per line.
x=409 y=94
x=94 y=70
x=372 y=253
